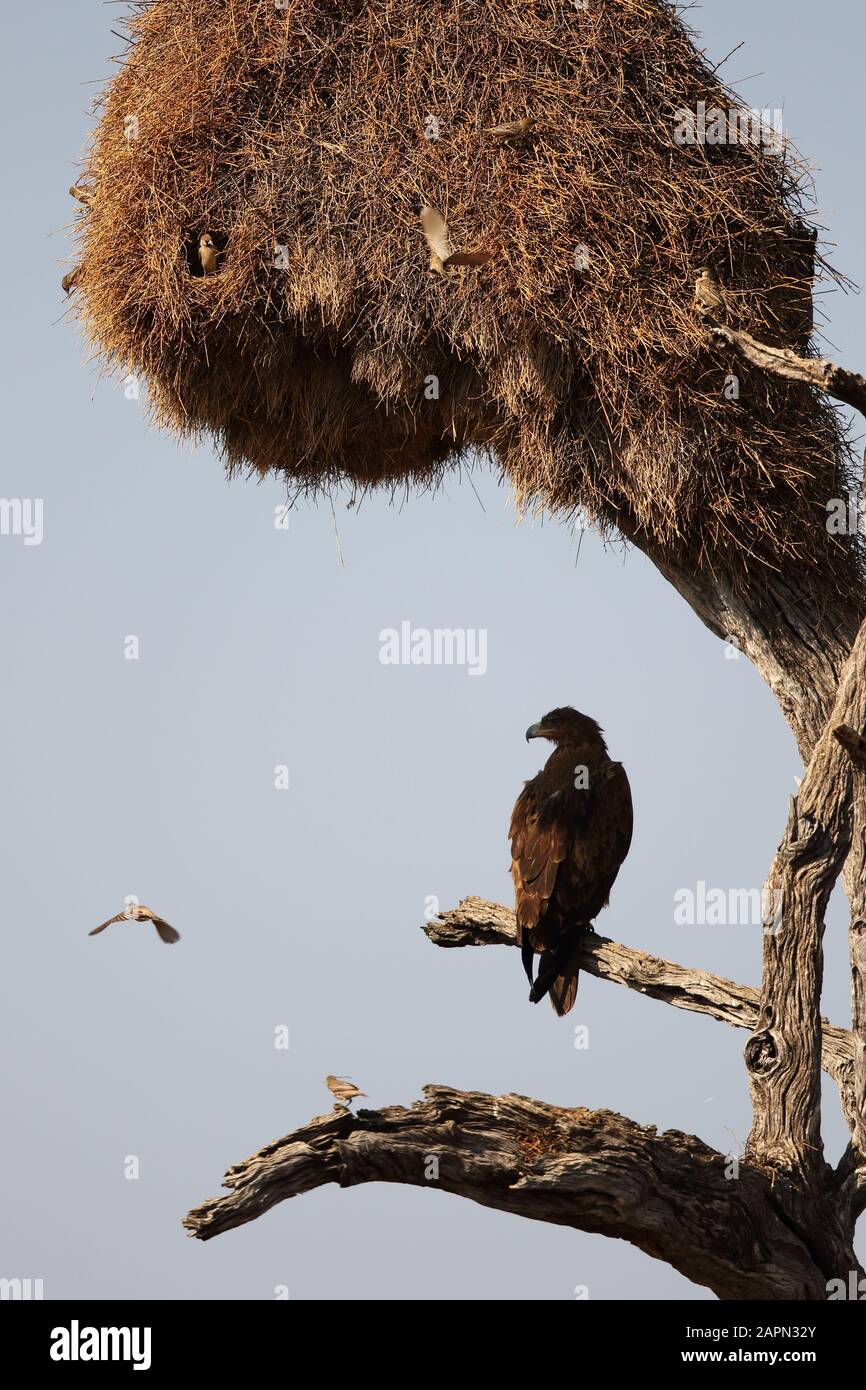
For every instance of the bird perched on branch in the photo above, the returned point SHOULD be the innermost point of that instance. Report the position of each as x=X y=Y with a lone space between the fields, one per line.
x=345 y=1091
x=70 y=280
x=441 y=253
x=710 y=298
x=207 y=254
x=511 y=131
x=137 y=912
x=570 y=832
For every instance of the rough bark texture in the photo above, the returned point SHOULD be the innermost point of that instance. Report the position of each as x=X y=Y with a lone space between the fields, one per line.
x=731 y=1226
x=668 y=1194
x=783 y=1056
x=853 y=1166
x=820 y=372
x=797 y=637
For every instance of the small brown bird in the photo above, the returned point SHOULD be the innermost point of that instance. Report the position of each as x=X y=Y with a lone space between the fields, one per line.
x=570 y=832
x=137 y=912
x=441 y=255
x=207 y=254
x=70 y=280
x=83 y=194
x=710 y=298
x=512 y=130
x=344 y=1090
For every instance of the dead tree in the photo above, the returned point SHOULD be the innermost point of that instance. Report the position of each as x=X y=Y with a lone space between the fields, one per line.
x=782 y=1225
x=575 y=361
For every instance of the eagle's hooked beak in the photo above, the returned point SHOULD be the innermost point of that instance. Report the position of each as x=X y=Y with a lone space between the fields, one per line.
x=534 y=731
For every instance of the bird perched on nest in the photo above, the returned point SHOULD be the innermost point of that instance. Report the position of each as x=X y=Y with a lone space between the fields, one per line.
x=570 y=832
x=82 y=193
x=710 y=298
x=207 y=254
x=139 y=913
x=441 y=253
x=345 y=1091
x=70 y=280
x=511 y=131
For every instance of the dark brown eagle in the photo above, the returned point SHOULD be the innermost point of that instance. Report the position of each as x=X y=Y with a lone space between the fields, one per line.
x=570 y=831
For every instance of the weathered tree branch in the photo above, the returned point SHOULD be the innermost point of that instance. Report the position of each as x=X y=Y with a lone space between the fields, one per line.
x=854 y=1164
x=820 y=372
x=783 y=1056
x=785 y=1225
x=475 y=922
x=714 y=1220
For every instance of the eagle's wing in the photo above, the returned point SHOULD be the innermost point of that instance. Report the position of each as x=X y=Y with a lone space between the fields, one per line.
x=539 y=844
x=599 y=844
x=436 y=231
x=617 y=815
x=96 y=930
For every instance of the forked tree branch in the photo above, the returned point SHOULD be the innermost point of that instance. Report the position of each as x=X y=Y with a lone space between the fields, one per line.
x=726 y=1226
x=669 y=1194
x=716 y=1220
x=475 y=922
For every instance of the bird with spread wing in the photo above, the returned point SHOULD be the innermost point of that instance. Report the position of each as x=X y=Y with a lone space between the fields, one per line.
x=137 y=912
x=439 y=241
x=570 y=832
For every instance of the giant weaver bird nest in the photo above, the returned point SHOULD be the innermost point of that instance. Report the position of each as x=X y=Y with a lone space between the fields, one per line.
x=303 y=137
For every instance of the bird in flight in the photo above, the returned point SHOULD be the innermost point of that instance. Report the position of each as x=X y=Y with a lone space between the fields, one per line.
x=438 y=239
x=207 y=254
x=511 y=130
x=570 y=832
x=710 y=298
x=343 y=1089
x=139 y=913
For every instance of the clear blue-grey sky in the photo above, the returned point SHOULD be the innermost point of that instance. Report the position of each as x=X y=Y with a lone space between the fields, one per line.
x=302 y=907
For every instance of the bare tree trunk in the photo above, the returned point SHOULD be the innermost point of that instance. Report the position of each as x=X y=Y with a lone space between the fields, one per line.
x=797 y=638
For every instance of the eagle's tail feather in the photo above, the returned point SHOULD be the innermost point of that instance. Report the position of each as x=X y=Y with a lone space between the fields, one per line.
x=558 y=973
x=563 y=991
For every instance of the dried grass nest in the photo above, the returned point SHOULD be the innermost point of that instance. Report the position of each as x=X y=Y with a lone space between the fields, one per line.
x=299 y=136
